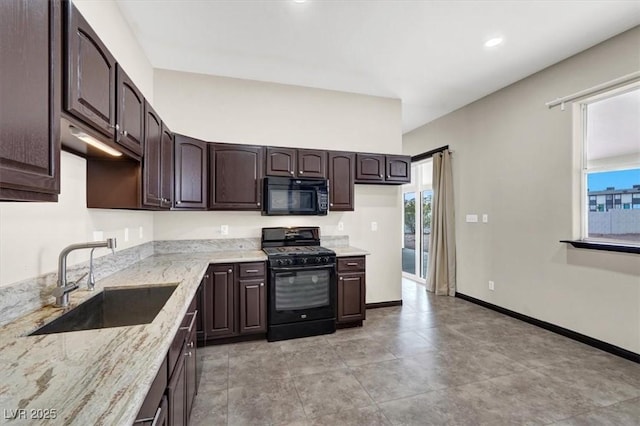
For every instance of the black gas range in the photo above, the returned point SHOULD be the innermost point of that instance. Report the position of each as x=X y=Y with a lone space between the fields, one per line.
x=301 y=284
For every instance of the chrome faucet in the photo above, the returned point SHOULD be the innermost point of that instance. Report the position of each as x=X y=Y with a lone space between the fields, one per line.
x=61 y=292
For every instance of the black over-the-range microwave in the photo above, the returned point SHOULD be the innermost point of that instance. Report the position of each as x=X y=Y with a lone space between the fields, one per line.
x=289 y=196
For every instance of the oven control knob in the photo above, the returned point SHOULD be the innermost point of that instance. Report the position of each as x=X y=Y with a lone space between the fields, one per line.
x=303 y=260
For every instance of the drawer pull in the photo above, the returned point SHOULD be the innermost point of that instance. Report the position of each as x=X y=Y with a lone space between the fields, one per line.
x=261 y=284
x=352 y=263
x=193 y=320
x=341 y=278
x=188 y=353
x=230 y=270
x=252 y=271
x=153 y=419
x=190 y=345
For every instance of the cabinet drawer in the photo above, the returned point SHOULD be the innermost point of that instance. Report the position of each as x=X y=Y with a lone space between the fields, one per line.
x=351 y=264
x=154 y=396
x=187 y=325
x=251 y=270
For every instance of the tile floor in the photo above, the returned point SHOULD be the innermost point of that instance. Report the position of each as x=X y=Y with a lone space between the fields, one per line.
x=435 y=360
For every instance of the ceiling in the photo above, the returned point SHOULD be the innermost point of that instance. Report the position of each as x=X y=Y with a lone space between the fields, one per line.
x=429 y=54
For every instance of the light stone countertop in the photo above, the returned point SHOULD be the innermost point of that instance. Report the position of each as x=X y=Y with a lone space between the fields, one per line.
x=349 y=251
x=103 y=376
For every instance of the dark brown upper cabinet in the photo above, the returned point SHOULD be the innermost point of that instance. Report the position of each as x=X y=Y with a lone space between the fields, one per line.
x=91 y=76
x=381 y=168
x=235 y=176
x=398 y=168
x=30 y=92
x=166 y=168
x=129 y=113
x=152 y=160
x=281 y=162
x=190 y=173
x=341 y=175
x=99 y=96
x=312 y=163
x=293 y=162
x=370 y=167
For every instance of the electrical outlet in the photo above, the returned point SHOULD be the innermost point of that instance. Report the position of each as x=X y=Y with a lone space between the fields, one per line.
x=340 y=226
x=492 y=285
x=224 y=229
x=485 y=218
x=374 y=226
x=126 y=234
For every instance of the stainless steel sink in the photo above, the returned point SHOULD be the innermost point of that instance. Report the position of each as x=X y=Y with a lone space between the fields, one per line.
x=114 y=307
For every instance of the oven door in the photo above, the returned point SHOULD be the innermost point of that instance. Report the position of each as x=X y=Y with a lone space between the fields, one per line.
x=302 y=293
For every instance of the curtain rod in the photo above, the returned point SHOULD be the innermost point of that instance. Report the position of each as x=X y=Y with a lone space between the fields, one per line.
x=593 y=90
x=428 y=154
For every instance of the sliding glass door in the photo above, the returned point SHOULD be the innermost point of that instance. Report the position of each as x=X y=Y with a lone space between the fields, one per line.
x=416 y=224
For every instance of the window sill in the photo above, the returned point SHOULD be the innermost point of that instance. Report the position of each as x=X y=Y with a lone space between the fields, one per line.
x=595 y=245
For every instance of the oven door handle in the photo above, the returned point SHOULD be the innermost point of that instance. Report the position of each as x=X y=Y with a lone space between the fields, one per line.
x=303 y=268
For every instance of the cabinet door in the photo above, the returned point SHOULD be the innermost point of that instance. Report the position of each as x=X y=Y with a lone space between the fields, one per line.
x=129 y=113
x=235 y=177
x=341 y=174
x=191 y=376
x=253 y=306
x=219 y=299
x=200 y=306
x=351 y=297
x=151 y=162
x=30 y=48
x=176 y=395
x=190 y=173
x=281 y=161
x=312 y=163
x=370 y=167
x=91 y=75
x=166 y=168
x=398 y=168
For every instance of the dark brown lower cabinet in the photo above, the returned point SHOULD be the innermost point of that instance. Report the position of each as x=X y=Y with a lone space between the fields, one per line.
x=253 y=312
x=177 y=394
x=234 y=300
x=351 y=289
x=170 y=398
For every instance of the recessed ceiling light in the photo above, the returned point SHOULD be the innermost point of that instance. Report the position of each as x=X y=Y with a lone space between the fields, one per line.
x=493 y=42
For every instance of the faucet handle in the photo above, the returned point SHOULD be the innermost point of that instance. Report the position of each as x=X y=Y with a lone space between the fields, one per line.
x=81 y=278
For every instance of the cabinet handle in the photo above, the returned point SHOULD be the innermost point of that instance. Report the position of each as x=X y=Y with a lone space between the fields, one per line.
x=258 y=204
x=177 y=202
x=301 y=172
x=380 y=175
x=352 y=263
x=125 y=133
x=116 y=126
x=230 y=270
x=261 y=284
x=251 y=271
x=291 y=172
x=190 y=345
x=330 y=204
x=153 y=419
x=188 y=354
x=341 y=278
x=193 y=320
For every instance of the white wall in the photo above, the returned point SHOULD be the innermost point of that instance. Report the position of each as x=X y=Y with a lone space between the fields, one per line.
x=32 y=234
x=514 y=159
x=243 y=111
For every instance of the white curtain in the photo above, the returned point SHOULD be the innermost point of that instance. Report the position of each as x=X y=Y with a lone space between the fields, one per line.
x=442 y=248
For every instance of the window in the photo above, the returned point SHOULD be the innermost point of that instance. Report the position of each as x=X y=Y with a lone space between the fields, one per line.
x=611 y=167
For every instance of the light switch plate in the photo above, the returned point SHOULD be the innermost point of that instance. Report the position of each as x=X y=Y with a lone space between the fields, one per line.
x=485 y=218
x=374 y=226
x=472 y=218
x=126 y=234
x=224 y=229
x=340 y=226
